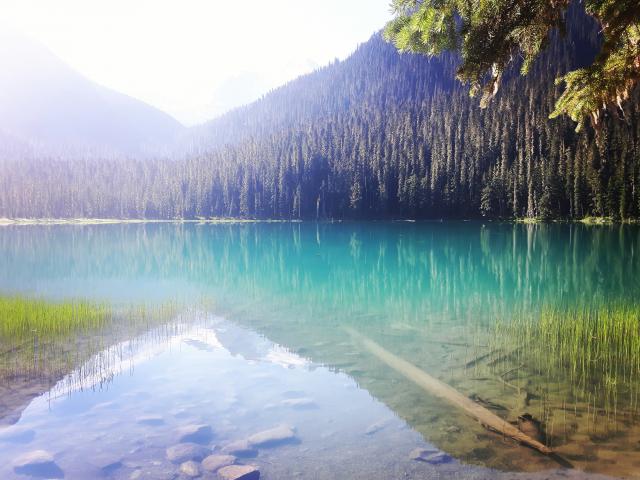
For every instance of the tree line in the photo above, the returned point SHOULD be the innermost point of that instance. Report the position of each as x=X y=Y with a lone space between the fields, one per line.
x=380 y=135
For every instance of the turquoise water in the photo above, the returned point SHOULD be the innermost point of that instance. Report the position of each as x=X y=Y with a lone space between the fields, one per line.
x=431 y=293
x=420 y=266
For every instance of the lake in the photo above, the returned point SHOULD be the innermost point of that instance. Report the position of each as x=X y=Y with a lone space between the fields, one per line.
x=275 y=342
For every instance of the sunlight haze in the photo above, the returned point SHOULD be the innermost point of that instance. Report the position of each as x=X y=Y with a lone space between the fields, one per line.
x=196 y=59
x=319 y=240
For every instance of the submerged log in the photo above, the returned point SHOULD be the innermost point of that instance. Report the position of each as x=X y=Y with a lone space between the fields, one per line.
x=504 y=357
x=479 y=358
x=443 y=391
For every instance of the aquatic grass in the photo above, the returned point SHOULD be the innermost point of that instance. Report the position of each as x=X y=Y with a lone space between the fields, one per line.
x=575 y=367
x=601 y=340
x=22 y=318
x=42 y=338
x=594 y=348
x=74 y=344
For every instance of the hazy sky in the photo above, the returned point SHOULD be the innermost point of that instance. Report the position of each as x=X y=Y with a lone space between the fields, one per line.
x=196 y=58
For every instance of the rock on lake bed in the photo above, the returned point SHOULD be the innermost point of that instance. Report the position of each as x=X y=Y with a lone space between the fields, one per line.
x=239 y=472
x=273 y=437
x=38 y=463
x=213 y=463
x=183 y=452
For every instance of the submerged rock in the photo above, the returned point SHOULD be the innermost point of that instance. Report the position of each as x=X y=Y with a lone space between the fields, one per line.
x=153 y=472
x=190 y=469
x=419 y=453
x=239 y=472
x=183 y=452
x=438 y=458
x=376 y=427
x=195 y=434
x=273 y=437
x=241 y=448
x=429 y=455
x=213 y=463
x=38 y=463
x=106 y=463
x=530 y=426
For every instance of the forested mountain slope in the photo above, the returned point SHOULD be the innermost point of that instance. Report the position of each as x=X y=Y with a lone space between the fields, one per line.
x=380 y=135
x=48 y=108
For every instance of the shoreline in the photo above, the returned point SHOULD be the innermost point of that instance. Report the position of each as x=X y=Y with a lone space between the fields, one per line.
x=590 y=221
x=4 y=222
x=605 y=221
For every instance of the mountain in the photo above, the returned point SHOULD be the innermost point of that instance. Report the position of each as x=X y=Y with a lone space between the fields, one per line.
x=379 y=135
x=374 y=74
x=52 y=109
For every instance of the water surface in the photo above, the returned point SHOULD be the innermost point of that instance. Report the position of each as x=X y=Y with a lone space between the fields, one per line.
x=262 y=339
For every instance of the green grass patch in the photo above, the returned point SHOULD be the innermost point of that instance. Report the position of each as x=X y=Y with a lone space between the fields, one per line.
x=22 y=317
x=42 y=338
x=41 y=341
x=602 y=339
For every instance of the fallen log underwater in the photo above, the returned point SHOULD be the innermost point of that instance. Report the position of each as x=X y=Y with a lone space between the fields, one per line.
x=443 y=391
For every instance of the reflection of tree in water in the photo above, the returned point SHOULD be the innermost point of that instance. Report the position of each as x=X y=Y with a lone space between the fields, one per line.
x=410 y=268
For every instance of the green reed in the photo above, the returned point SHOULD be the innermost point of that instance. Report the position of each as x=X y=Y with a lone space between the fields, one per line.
x=41 y=338
x=604 y=339
x=22 y=318
x=596 y=346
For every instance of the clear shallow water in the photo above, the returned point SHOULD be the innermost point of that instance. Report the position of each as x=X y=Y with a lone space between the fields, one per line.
x=430 y=293
x=215 y=374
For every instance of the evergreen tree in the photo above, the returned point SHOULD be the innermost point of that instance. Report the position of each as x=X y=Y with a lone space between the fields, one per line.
x=489 y=34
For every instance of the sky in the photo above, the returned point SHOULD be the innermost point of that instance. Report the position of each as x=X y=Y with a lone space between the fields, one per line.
x=195 y=59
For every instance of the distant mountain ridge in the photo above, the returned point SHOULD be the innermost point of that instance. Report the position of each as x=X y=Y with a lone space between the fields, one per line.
x=329 y=90
x=49 y=109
